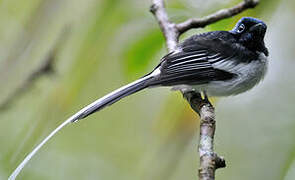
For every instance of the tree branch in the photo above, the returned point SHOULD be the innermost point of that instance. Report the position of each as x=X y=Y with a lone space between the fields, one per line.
x=209 y=160
x=219 y=15
x=45 y=68
x=168 y=28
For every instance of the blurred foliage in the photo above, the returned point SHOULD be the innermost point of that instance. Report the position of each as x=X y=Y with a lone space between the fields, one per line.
x=139 y=54
x=99 y=45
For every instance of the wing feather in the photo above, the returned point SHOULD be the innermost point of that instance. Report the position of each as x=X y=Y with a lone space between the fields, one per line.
x=190 y=61
x=194 y=61
x=188 y=57
x=192 y=67
x=177 y=56
x=187 y=67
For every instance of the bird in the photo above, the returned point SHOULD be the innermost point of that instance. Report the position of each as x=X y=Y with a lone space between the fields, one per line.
x=218 y=63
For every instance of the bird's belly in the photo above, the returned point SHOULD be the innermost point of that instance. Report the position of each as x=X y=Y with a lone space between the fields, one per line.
x=231 y=87
x=247 y=75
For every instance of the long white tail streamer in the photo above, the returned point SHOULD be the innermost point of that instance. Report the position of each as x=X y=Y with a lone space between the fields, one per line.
x=29 y=156
x=77 y=116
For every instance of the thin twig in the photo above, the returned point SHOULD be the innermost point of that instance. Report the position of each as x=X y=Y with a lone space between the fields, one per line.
x=209 y=160
x=212 y=18
x=45 y=68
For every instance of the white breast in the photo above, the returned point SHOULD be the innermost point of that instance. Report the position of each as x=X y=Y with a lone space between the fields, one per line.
x=247 y=76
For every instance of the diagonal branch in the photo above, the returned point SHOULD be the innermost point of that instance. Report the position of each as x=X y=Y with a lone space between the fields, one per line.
x=212 y=18
x=209 y=160
x=45 y=68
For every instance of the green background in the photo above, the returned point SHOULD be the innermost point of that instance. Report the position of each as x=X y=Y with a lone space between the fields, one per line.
x=99 y=45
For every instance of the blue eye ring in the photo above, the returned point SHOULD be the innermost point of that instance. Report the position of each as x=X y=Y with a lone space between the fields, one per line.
x=241 y=28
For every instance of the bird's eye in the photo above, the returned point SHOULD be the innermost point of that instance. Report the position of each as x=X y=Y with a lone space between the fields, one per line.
x=241 y=28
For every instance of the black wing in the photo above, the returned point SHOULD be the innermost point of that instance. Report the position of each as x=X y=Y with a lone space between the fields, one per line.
x=193 y=64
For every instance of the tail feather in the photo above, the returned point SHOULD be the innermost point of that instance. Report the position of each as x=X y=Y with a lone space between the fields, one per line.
x=91 y=108
x=113 y=97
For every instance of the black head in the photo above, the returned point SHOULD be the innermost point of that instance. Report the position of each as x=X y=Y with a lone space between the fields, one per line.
x=250 y=32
